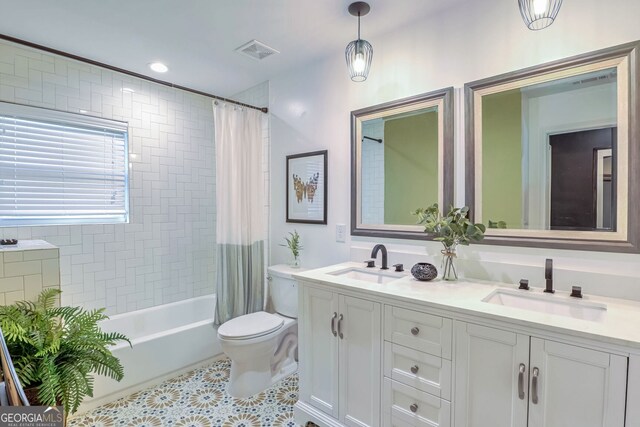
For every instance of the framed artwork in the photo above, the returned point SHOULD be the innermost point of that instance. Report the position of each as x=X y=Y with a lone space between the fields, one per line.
x=307 y=188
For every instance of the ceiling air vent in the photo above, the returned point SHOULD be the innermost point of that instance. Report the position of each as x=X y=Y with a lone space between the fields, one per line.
x=256 y=50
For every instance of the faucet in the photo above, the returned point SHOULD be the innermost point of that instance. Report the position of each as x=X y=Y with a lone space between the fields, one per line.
x=548 y=276
x=374 y=254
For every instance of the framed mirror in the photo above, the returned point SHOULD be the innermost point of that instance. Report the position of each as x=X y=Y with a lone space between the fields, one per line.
x=552 y=155
x=401 y=159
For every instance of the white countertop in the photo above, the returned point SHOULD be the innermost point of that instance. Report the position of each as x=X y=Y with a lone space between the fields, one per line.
x=620 y=324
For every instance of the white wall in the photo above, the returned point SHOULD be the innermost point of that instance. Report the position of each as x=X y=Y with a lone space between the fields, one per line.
x=310 y=111
x=166 y=252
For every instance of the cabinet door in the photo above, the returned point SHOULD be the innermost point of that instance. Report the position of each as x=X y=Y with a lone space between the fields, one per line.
x=490 y=391
x=360 y=365
x=319 y=350
x=575 y=386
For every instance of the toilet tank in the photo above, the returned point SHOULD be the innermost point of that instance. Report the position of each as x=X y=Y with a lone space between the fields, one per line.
x=284 y=289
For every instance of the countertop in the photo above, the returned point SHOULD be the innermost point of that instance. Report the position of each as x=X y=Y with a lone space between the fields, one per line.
x=620 y=325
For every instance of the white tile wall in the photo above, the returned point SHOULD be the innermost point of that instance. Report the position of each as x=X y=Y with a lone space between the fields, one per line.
x=167 y=251
x=373 y=173
x=26 y=269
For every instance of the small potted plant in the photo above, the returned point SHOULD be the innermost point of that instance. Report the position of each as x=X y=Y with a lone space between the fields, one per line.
x=294 y=245
x=452 y=229
x=56 y=350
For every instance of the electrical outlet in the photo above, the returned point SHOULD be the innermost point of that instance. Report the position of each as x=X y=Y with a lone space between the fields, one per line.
x=341 y=233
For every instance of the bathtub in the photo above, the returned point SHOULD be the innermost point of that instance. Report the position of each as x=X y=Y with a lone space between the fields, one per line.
x=167 y=340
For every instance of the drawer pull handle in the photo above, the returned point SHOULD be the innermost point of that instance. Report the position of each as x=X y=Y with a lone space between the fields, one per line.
x=414 y=408
x=521 y=371
x=340 y=334
x=415 y=330
x=534 y=386
x=333 y=324
x=414 y=369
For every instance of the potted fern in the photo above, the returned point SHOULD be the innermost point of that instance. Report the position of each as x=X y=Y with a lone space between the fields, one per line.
x=451 y=230
x=57 y=350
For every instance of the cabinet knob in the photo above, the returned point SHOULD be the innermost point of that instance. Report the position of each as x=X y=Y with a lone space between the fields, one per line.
x=414 y=369
x=413 y=407
x=415 y=330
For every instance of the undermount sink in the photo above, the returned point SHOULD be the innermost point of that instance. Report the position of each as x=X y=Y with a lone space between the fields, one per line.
x=368 y=275
x=547 y=303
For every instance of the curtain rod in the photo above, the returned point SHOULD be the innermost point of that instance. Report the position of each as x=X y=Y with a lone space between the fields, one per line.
x=127 y=72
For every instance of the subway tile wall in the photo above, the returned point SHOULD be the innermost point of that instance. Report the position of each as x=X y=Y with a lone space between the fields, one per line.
x=167 y=251
x=373 y=173
x=27 y=269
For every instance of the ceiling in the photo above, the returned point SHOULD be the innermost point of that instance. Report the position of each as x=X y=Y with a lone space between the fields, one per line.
x=197 y=38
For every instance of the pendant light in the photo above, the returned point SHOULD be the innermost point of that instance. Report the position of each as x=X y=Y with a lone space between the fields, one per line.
x=539 y=14
x=359 y=52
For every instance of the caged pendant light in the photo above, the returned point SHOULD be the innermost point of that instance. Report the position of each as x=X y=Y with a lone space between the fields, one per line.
x=359 y=52
x=539 y=14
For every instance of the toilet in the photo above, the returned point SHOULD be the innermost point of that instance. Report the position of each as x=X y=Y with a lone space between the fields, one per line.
x=262 y=346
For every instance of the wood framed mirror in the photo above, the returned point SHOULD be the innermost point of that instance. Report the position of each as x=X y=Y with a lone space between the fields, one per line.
x=552 y=153
x=401 y=159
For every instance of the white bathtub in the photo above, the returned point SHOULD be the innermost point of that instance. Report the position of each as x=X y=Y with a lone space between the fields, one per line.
x=167 y=340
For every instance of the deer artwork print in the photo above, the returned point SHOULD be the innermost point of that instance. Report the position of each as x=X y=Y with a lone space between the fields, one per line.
x=305 y=190
x=312 y=186
x=299 y=187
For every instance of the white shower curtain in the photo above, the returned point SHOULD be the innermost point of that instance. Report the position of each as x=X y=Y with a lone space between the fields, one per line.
x=240 y=228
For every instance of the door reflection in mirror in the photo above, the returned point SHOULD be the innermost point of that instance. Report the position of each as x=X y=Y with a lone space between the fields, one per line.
x=549 y=154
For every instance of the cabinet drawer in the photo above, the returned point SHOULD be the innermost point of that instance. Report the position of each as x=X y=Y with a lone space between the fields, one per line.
x=432 y=373
x=420 y=331
x=427 y=410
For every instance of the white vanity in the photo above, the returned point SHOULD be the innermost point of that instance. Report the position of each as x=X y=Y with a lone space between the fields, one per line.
x=382 y=349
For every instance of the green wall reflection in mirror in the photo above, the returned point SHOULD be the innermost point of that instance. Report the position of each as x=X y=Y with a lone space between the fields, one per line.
x=399 y=166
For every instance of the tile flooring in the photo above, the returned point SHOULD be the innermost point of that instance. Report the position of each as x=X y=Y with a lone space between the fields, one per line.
x=198 y=399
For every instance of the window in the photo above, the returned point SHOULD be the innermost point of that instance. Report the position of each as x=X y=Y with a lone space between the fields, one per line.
x=61 y=168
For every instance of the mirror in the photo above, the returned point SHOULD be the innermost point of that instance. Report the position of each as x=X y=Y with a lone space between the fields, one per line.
x=548 y=153
x=402 y=159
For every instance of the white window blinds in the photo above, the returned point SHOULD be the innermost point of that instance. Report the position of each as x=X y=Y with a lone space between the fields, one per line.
x=61 y=168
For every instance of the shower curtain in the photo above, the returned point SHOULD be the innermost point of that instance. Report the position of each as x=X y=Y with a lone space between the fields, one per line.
x=240 y=222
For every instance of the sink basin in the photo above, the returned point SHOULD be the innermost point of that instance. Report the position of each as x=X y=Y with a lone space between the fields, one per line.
x=548 y=303
x=368 y=275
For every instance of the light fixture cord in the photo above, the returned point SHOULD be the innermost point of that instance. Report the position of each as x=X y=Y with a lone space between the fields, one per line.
x=358 y=25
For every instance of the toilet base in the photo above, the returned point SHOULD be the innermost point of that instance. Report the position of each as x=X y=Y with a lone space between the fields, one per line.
x=256 y=366
x=245 y=381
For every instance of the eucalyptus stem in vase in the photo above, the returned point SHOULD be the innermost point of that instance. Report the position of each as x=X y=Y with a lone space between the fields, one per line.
x=294 y=245
x=452 y=229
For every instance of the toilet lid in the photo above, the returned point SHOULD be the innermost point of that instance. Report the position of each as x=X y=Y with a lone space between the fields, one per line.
x=250 y=326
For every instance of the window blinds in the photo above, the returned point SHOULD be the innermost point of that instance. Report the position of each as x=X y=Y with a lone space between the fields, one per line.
x=61 y=168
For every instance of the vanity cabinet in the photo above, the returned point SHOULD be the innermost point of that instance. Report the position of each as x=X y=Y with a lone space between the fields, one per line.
x=340 y=357
x=506 y=379
x=417 y=369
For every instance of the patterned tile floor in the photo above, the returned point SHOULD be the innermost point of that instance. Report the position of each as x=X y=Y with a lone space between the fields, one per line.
x=198 y=399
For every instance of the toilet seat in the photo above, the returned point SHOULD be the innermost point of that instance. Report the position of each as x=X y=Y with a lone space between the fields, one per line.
x=250 y=326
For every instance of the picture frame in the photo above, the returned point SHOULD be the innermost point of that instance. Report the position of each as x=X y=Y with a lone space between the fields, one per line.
x=306 y=188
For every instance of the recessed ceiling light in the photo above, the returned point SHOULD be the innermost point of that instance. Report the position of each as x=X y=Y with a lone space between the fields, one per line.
x=158 y=67
x=127 y=90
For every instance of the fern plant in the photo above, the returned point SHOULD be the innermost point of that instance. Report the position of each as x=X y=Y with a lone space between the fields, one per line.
x=58 y=349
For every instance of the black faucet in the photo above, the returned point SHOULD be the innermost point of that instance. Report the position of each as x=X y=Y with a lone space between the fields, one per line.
x=548 y=276
x=374 y=254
